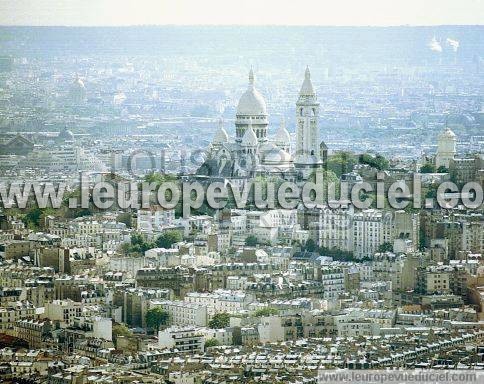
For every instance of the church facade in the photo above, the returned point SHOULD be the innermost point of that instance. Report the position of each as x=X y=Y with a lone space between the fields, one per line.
x=253 y=151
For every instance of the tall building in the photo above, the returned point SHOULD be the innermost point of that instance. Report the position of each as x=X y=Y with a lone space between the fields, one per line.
x=407 y=227
x=308 y=156
x=464 y=170
x=445 y=148
x=371 y=228
x=77 y=91
x=332 y=228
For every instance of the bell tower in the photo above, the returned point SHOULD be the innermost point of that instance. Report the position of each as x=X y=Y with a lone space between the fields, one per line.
x=308 y=154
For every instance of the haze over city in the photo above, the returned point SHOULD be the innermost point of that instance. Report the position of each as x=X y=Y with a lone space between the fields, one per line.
x=249 y=12
x=215 y=192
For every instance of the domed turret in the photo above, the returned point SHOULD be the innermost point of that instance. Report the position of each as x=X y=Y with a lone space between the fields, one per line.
x=221 y=136
x=250 y=138
x=282 y=138
x=252 y=106
x=65 y=135
x=78 y=83
x=251 y=102
x=277 y=156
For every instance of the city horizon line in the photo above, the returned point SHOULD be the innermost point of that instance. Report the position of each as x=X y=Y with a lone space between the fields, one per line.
x=241 y=25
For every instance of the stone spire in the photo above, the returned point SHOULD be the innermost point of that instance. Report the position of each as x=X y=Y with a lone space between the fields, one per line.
x=251 y=78
x=307 y=87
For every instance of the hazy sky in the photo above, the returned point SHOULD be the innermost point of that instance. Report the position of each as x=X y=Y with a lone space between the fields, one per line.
x=247 y=12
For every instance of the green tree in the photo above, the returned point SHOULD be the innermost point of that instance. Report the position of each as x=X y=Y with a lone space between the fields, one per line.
x=338 y=254
x=120 y=329
x=310 y=246
x=329 y=178
x=341 y=163
x=73 y=213
x=442 y=169
x=139 y=242
x=431 y=191
x=378 y=161
x=421 y=240
x=159 y=178
x=212 y=343
x=219 y=320
x=251 y=241
x=34 y=217
x=385 y=247
x=427 y=168
x=266 y=312
x=156 y=317
x=138 y=245
x=168 y=238
x=125 y=218
x=381 y=163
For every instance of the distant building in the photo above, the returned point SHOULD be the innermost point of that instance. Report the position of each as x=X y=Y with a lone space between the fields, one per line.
x=185 y=339
x=445 y=148
x=183 y=313
x=464 y=170
x=77 y=91
x=17 y=145
x=34 y=332
x=371 y=228
x=253 y=153
x=154 y=220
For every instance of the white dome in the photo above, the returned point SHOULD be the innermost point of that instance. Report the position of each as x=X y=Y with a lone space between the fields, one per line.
x=447 y=133
x=251 y=103
x=250 y=139
x=77 y=83
x=77 y=91
x=221 y=136
x=276 y=156
x=282 y=135
x=66 y=135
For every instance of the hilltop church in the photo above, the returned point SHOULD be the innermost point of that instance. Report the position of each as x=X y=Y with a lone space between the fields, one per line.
x=253 y=152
